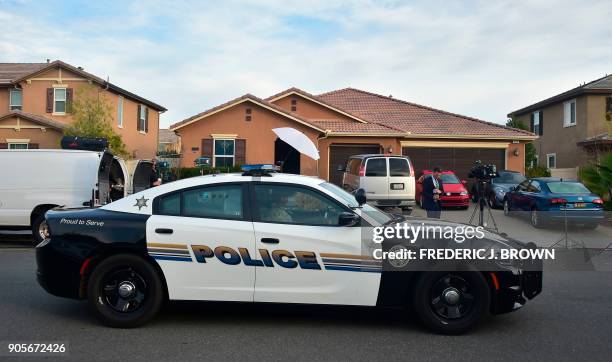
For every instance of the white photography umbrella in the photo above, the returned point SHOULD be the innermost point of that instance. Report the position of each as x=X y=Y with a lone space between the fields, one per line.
x=297 y=140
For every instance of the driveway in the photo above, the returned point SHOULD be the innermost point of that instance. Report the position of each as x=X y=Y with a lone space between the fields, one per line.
x=518 y=227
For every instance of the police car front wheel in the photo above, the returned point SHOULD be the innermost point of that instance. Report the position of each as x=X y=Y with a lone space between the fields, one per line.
x=125 y=291
x=451 y=302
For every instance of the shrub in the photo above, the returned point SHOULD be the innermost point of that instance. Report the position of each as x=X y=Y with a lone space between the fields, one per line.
x=537 y=171
x=598 y=178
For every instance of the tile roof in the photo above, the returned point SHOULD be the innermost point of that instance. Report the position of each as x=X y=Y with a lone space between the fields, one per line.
x=414 y=118
x=601 y=85
x=337 y=126
x=12 y=71
x=35 y=118
x=15 y=72
x=603 y=138
x=167 y=136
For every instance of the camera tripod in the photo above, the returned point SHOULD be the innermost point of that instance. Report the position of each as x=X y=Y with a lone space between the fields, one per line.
x=481 y=206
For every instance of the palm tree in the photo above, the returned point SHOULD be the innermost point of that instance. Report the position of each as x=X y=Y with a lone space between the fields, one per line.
x=598 y=178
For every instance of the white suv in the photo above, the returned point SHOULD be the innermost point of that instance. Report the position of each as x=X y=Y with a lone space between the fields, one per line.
x=387 y=179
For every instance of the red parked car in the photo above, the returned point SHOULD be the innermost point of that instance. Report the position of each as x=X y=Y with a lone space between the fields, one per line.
x=454 y=193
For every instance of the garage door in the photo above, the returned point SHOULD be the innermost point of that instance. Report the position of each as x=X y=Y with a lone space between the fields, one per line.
x=339 y=154
x=459 y=160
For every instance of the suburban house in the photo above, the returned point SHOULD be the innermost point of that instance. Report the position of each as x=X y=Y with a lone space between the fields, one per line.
x=169 y=143
x=34 y=101
x=573 y=127
x=342 y=123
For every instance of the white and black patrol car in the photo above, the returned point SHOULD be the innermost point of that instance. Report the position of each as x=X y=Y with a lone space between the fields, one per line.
x=256 y=237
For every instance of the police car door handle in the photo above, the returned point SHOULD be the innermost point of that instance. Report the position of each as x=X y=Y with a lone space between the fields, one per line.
x=269 y=240
x=164 y=231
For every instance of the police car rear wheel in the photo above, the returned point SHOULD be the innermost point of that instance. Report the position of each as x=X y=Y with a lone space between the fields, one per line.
x=125 y=291
x=451 y=302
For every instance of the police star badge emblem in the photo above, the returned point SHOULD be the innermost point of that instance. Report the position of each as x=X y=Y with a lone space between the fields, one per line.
x=141 y=202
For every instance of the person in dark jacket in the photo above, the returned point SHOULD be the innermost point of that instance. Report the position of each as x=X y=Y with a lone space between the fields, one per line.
x=432 y=189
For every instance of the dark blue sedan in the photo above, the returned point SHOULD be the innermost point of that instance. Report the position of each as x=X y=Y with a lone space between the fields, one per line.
x=549 y=199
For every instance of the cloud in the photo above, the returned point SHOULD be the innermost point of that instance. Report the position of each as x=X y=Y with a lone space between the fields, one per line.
x=481 y=59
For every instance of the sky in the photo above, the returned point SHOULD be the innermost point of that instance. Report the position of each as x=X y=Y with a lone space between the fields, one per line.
x=477 y=58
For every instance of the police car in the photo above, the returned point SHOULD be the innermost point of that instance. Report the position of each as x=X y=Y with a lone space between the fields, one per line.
x=258 y=236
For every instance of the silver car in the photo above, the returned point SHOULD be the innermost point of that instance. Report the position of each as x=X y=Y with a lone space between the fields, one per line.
x=387 y=179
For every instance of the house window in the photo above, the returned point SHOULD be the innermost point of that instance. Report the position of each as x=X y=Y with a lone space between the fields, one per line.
x=536 y=122
x=15 y=99
x=569 y=113
x=59 y=100
x=18 y=146
x=551 y=160
x=224 y=153
x=609 y=108
x=120 y=112
x=248 y=115
x=142 y=119
x=294 y=105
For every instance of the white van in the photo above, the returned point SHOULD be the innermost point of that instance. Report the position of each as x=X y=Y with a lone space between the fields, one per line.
x=34 y=181
x=387 y=179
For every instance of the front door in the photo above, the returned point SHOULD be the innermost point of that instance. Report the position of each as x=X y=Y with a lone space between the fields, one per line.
x=306 y=257
x=201 y=237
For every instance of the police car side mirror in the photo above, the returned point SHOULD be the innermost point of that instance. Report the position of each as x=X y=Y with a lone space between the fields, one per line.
x=360 y=196
x=348 y=219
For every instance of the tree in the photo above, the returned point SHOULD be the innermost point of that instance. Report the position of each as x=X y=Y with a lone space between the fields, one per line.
x=529 y=148
x=92 y=117
x=598 y=178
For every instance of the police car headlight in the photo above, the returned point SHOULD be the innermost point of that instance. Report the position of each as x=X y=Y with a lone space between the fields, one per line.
x=507 y=263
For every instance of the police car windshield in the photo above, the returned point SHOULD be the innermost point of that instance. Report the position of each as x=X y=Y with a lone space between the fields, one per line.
x=374 y=213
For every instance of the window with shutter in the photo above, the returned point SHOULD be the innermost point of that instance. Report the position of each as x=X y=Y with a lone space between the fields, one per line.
x=224 y=152
x=16 y=98
x=142 y=119
x=59 y=100
x=569 y=113
x=536 y=122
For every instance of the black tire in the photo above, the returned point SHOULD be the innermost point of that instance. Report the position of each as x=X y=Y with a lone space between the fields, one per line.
x=104 y=288
x=535 y=218
x=444 y=317
x=506 y=206
x=492 y=201
x=39 y=228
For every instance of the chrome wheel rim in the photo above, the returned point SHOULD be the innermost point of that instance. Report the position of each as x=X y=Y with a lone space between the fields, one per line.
x=124 y=290
x=43 y=230
x=451 y=297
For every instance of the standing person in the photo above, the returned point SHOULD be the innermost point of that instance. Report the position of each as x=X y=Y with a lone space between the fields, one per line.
x=154 y=179
x=432 y=189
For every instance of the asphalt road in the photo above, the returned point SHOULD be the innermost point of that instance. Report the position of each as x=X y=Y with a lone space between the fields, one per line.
x=570 y=320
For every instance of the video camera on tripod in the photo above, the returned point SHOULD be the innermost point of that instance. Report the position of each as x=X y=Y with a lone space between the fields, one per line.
x=483 y=173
